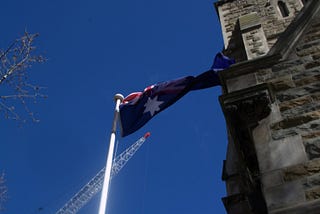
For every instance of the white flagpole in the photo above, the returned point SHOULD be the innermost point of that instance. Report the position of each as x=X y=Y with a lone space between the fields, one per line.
x=104 y=194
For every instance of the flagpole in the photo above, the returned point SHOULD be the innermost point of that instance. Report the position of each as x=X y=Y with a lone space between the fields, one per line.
x=104 y=194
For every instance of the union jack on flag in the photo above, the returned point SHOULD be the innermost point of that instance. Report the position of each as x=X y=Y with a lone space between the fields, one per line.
x=139 y=107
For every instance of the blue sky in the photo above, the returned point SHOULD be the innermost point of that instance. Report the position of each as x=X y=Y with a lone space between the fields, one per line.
x=96 y=49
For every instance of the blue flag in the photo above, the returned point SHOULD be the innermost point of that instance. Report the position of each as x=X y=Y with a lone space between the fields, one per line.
x=139 y=107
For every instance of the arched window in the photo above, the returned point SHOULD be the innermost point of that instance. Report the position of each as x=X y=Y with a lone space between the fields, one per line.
x=283 y=9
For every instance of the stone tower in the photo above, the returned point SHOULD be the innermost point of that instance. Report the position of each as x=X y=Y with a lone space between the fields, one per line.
x=271 y=103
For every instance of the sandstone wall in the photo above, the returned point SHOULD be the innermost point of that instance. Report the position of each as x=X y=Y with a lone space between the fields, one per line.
x=272 y=108
x=265 y=25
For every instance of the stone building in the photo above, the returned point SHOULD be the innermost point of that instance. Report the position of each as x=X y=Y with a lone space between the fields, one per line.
x=271 y=103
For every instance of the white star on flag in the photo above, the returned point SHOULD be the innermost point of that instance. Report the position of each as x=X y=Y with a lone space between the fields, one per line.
x=152 y=105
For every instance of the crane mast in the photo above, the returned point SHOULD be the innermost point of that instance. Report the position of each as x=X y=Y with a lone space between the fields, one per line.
x=85 y=194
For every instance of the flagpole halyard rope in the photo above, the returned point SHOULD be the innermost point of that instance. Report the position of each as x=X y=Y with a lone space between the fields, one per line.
x=104 y=193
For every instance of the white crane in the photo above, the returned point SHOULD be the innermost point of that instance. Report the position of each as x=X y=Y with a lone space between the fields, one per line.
x=94 y=186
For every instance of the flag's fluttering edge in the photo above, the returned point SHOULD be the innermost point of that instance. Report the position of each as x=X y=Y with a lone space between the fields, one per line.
x=139 y=107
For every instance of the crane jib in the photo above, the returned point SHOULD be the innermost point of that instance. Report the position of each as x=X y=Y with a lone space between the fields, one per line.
x=85 y=194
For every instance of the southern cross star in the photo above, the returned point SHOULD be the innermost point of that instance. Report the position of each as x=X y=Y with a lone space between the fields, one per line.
x=152 y=105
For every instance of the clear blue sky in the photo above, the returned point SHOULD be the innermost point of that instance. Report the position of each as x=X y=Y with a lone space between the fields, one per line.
x=96 y=49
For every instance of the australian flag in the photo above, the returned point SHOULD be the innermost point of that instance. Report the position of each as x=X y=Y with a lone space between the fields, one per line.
x=139 y=107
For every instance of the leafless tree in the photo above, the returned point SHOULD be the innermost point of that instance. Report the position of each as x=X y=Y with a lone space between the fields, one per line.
x=3 y=191
x=17 y=93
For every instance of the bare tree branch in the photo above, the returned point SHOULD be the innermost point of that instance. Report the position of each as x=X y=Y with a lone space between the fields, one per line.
x=16 y=92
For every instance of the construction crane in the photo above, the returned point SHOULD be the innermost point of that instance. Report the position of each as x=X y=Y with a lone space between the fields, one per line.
x=85 y=194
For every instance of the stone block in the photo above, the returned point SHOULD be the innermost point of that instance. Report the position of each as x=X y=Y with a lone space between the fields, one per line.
x=294 y=103
x=262 y=75
x=291 y=94
x=248 y=21
x=304 y=130
x=272 y=178
x=281 y=153
x=301 y=110
x=312 y=182
x=316 y=56
x=284 y=195
x=257 y=45
x=305 y=73
x=308 y=45
x=313 y=194
x=282 y=83
x=308 y=51
x=302 y=170
x=311 y=135
x=234 y=185
x=262 y=134
x=232 y=163
x=308 y=80
x=287 y=64
x=241 y=82
x=241 y=208
x=314 y=36
x=237 y=204
x=312 y=88
x=309 y=207
x=313 y=148
x=313 y=64
x=296 y=121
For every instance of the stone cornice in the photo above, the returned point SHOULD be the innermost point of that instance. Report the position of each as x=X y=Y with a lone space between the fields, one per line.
x=247 y=67
x=281 y=50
